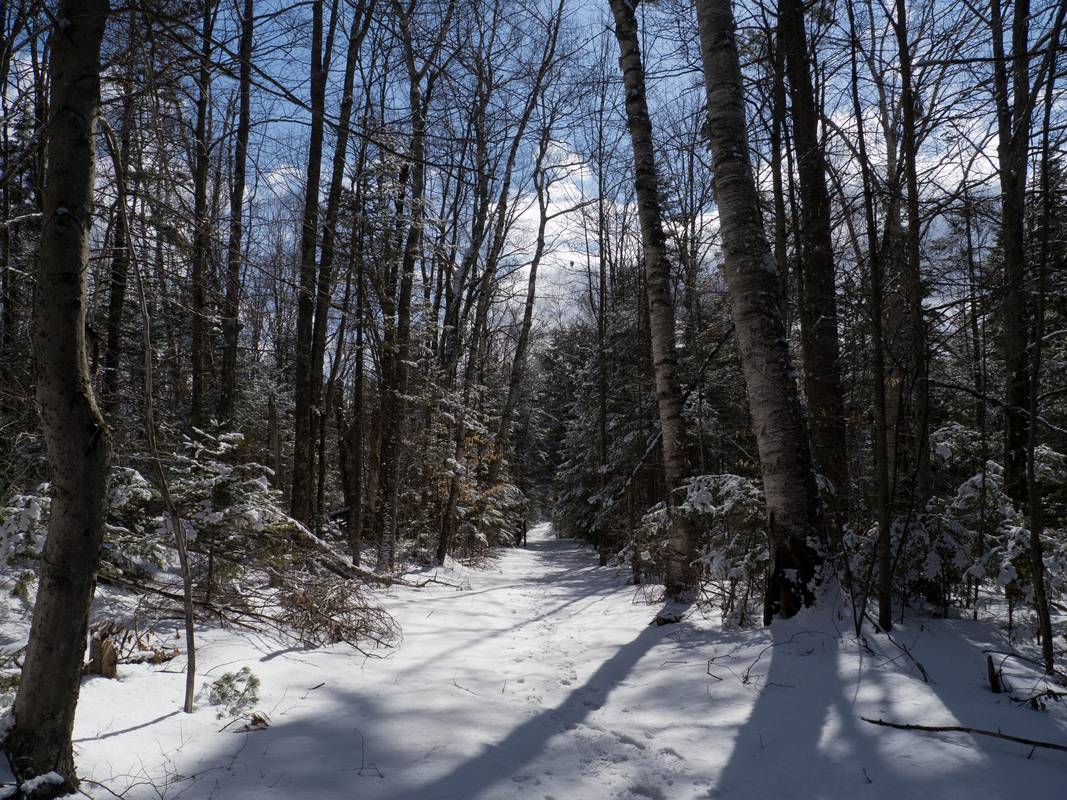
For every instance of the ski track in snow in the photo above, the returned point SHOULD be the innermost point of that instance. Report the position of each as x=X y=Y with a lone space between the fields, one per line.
x=545 y=681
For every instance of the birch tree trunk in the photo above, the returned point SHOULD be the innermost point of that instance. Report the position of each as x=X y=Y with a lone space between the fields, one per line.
x=754 y=291
x=120 y=259
x=79 y=446
x=680 y=578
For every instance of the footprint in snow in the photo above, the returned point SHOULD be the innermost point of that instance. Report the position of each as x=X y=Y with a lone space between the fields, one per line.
x=627 y=739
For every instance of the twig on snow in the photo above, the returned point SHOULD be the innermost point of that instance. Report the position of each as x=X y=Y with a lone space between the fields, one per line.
x=962 y=729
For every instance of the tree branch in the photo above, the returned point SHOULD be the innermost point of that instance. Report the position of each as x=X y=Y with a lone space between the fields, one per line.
x=961 y=729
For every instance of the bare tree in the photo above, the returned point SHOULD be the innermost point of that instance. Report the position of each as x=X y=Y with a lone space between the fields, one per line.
x=754 y=291
x=79 y=445
x=679 y=576
x=818 y=302
x=231 y=324
x=201 y=231
x=301 y=498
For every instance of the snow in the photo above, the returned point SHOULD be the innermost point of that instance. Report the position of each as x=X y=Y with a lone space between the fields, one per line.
x=541 y=678
x=28 y=788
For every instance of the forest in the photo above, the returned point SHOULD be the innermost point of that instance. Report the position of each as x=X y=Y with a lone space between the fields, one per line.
x=558 y=399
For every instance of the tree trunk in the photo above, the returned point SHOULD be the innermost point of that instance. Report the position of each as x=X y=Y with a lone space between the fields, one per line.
x=9 y=300
x=818 y=312
x=680 y=578
x=1013 y=141
x=781 y=239
x=79 y=445
x=120 y=259
x=231 y=324
x=201 y=234
x=353 y=445
x=518 y=364
x=481 y=314
x=754 y=288
x=324 y=289
x=875 y=289
x=303 y=434
x=1035 y=500
x=917 y=340
x=394 y=402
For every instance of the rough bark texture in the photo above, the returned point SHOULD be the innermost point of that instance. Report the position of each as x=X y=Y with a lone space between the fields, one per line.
x=79 y=446
x=1013 y=140
x=753 y=287
x=917 y=339
x=818 y=311
x=231 y=325
x=680 y=577
x=303 y=441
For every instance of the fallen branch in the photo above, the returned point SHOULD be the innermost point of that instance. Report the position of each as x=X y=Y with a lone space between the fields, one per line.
x=1035 y=701
x=960 y=729
x=225 y=613
x=338 y=564
x=1062 y=676
x=747 y=675
x=907 y=652
x=423 y=583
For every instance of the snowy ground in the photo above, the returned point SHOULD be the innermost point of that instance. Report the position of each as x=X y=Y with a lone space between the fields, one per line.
x=544 y=680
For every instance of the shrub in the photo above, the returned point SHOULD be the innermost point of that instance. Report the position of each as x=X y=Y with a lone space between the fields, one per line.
x=235 y=693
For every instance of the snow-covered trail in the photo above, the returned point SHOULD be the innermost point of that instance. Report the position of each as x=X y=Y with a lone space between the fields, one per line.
x=544 y=680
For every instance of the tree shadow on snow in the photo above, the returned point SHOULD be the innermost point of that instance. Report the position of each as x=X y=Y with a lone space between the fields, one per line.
x=804 y=737
x=363 y=748
x=566 y=567
x=526 y=742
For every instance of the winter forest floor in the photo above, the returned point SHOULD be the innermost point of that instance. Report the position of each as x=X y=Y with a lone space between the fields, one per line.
x=544 y=680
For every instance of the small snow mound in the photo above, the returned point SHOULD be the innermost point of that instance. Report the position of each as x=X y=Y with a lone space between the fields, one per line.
x=29 y=788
